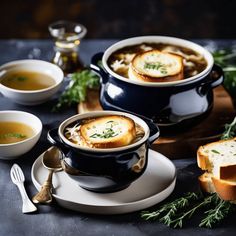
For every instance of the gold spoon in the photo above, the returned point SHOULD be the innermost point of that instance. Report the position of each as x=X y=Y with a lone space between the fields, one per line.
x=51 y=161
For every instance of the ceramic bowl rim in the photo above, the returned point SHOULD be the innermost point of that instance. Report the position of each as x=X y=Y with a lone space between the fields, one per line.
x=10 y=65
x=102 y=113
x=165 y=39
x=23 y=113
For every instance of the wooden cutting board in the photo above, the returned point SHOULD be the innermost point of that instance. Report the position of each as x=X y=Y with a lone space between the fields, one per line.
x=184 y=144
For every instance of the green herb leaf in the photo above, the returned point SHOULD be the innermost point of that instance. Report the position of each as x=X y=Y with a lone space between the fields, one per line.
x=167 y=212
x=176 y=213
x=77 y=89
x=215 y=151
x=21 y=78
x=156 y=66
x=12 y=135
x=108 y=133
x=230 y=130
x=216 y=215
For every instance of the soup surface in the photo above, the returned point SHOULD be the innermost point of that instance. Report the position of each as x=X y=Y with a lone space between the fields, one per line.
x=103 y=133
x=120 y=60
x=13 y=132
x=27 y=80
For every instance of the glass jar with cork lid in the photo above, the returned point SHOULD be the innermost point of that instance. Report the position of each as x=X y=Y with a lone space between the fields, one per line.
x=67 y=37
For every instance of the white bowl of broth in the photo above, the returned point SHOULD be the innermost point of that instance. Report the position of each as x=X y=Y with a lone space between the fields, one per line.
x=19 y=132
x=30 y=82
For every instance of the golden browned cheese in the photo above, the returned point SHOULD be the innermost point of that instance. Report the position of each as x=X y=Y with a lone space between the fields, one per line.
x=104 y=132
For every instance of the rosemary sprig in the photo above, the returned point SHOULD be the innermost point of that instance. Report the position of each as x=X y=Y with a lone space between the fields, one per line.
x=171 y=208
x=218 y=214
x=177 y=222
x=177 y=212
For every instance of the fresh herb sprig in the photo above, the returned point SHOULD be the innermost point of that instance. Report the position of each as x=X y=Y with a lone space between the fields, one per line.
x=226 y=58
x=176 y=213
x=76 y=91
x=218 y=214
x=170 y=209
x=230 y=130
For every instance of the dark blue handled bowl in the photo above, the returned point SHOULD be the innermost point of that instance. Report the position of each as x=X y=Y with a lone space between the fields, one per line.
x=104 y=170
x=168 y=104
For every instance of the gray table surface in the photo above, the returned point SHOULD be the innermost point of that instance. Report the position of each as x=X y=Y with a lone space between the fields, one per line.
x=54 y=220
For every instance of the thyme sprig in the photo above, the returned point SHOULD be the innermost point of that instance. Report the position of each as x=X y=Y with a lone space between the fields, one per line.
x=171 y=208
x=177 y=212
x=216 y=215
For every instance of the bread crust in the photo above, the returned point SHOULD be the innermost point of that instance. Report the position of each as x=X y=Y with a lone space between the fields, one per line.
x=206 y=183
x=121 y=140
x=225 y=189
x=138 y=75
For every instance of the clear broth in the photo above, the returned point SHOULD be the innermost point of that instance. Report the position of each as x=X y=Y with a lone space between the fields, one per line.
x=194 y=63
x=27 y=80
x=13 y=132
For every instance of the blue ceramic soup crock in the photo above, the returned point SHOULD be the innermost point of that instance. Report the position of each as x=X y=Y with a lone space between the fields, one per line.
x=167 y=103
x=104 y=170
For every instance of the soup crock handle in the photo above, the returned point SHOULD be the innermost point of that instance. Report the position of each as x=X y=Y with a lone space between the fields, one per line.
x=217 y=76
x=214 y=79
x=53 y=138
x=94 y=65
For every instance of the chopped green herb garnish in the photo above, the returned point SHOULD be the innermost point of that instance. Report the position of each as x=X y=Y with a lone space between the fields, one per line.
x=107 y=133
x=215 y=151
x=156 y=66
x=21 y=78
x=12 y=135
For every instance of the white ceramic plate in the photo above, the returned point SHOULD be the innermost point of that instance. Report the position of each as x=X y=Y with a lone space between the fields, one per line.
x=152 y=187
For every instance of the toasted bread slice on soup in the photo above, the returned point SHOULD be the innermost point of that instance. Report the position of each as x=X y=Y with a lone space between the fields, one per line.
x=156 y=66
x=219 y=161
x=109 y=131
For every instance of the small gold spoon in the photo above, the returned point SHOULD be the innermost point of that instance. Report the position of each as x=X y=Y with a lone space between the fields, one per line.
x=51 y=161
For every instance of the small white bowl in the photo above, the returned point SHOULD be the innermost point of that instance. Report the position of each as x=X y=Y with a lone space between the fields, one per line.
x=15 y=150
x=31 y=97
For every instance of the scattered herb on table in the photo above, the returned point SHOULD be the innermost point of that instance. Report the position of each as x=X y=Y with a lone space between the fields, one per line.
x=76 y=91
x=176 y=213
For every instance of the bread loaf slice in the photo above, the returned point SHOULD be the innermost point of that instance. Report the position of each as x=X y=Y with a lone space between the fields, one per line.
x=206 y=183
x=226 y=190
x=108 y=131
x=219 y=158
x=156 y=66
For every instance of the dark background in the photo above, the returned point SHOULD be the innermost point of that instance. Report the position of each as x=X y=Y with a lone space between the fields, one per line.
x=121 y=18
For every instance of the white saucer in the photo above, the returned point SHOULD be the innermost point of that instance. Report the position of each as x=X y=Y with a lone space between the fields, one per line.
x=152 y=187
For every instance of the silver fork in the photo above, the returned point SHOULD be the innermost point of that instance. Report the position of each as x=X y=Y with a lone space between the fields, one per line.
x=18 y=179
